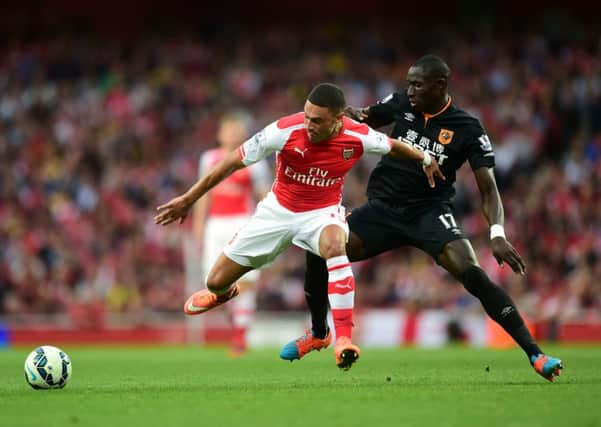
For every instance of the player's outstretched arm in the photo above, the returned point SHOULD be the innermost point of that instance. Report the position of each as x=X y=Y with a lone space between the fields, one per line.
x=178 y=207
x=492 y=207
x=401 y=150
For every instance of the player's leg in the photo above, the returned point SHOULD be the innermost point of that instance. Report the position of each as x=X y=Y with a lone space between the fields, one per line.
x=316 y=279
x=459 y=259
x=373 y=230
x=438 y=233
x=370 y=233
x=219 y=230
x=341 y=292
x=221 y=286
x=341 y=282
x=256 y=244
x=242 y=308
x=316 y=295
x=324 y=232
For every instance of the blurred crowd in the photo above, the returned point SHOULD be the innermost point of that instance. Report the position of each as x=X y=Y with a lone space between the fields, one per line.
x=94 y=134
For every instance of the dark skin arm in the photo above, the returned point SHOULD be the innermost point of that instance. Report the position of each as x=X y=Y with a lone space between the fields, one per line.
x=400 y=150
x=355 y=113
x=361 y=115
x=492 y=208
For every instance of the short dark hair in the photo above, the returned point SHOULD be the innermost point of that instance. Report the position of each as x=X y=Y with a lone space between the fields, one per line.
x=328 y=95
x=433 y=67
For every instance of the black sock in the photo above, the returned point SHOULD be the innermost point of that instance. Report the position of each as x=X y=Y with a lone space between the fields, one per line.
x=500 y=308
x=316 y=293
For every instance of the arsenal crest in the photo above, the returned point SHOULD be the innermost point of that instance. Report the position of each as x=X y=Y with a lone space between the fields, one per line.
x=347 y=153
x=445 y=136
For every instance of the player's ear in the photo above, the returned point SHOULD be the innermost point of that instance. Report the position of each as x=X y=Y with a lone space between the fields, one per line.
x=441 y=82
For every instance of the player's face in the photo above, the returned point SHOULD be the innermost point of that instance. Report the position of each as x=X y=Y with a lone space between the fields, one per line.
x=320 y=122
x=425 y=94
x=231 y=134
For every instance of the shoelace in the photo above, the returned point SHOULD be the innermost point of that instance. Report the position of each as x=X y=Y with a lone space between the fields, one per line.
x=304 y=338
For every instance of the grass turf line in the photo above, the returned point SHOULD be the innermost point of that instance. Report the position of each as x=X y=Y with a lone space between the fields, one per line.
x=164 y=386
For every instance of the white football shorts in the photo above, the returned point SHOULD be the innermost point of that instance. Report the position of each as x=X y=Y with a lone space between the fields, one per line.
x=273 y=228
x=219 y=230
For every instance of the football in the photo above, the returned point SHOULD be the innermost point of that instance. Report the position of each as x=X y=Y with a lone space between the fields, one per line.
x=47 y=367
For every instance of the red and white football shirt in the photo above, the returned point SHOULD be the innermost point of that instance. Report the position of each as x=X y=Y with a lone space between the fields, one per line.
x=311 y=175
x=235 y=195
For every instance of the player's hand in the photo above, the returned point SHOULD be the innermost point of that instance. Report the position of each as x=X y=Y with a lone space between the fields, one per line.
x=358 y=114
x=433 y=170
x=173 y=210
x=505 y=252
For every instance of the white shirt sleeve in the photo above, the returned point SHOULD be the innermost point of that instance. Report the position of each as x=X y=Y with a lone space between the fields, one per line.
x=203 y=164
x=263 y=143
x=376 y=143
x=260 y=173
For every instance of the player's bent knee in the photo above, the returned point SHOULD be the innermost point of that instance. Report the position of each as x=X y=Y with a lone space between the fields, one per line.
x=332 y=242
x=331 y=250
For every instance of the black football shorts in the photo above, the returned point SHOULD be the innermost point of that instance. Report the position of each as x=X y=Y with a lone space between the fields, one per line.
x=383 y=226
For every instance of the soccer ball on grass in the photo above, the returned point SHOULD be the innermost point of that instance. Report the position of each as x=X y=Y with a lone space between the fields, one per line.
x=47 y=367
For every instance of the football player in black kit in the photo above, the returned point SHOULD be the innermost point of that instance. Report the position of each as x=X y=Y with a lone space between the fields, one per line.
x=402 y=209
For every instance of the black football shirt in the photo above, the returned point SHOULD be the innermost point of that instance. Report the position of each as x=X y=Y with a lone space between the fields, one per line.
x=452 y=136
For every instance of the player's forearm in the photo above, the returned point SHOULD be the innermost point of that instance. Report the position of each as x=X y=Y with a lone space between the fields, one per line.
x=492 y=207
x=401 y=150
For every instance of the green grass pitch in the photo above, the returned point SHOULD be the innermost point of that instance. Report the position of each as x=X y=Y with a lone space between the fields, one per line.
x=184 y=386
